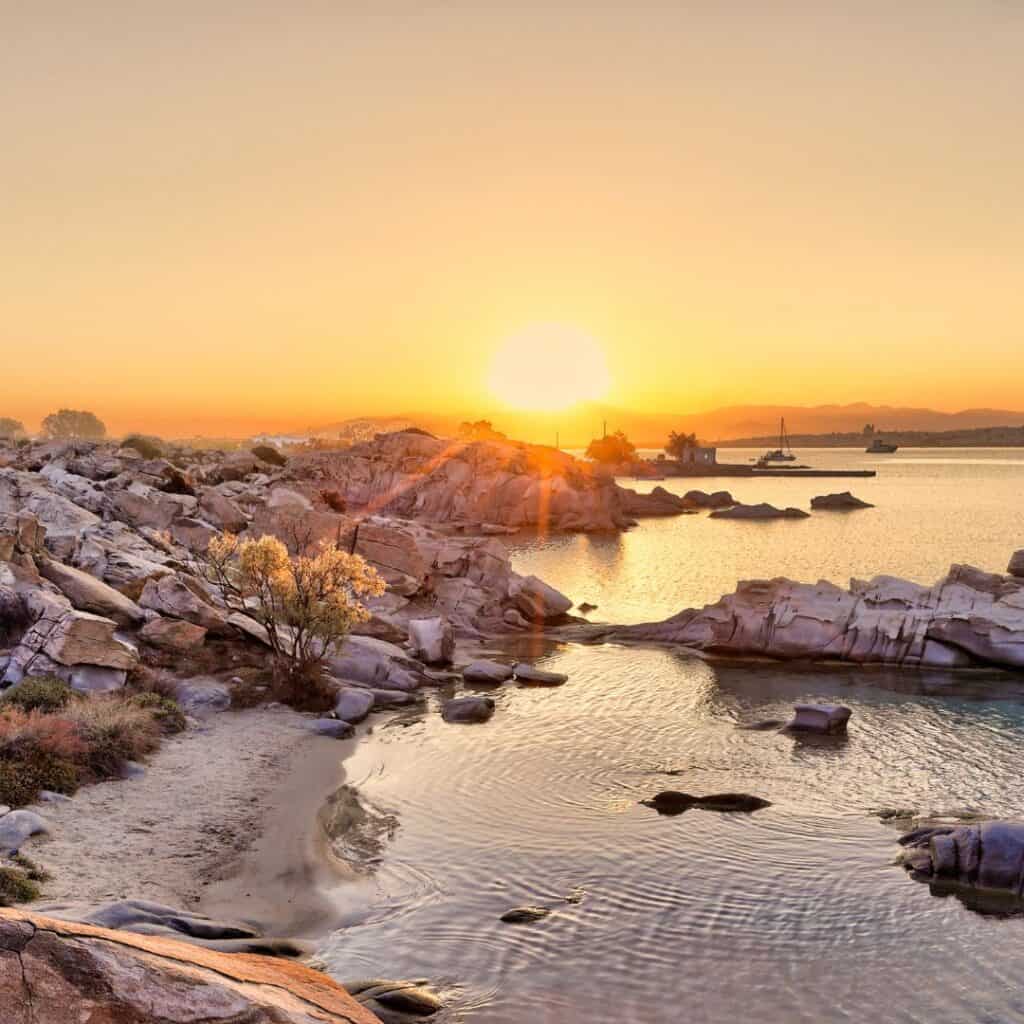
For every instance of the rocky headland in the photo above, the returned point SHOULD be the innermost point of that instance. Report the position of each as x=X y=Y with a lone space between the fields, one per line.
x=968 y=619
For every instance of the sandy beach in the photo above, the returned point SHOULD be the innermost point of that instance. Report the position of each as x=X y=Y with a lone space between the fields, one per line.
x=249 y=785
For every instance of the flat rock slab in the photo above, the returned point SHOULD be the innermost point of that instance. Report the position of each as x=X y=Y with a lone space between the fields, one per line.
x=54 y=971
x=761 y=511
x=487 y=672
x=531 y=675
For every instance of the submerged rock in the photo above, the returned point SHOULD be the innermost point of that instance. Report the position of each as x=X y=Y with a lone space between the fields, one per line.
x=821 y=718
x=525 y=915
x=840 y=501
x=531 y=675
x=671 y=802
x=395 y=1002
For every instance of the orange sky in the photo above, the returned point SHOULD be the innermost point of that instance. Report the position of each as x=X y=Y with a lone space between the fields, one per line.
x=284 y=214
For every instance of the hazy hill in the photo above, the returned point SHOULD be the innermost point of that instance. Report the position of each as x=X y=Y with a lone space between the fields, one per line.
x=575 y=427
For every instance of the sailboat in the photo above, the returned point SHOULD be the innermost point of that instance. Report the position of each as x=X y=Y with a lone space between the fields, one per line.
x=784 y=453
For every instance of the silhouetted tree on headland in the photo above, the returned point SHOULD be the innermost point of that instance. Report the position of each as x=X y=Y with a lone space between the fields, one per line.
x=11 y=428
x=480 y=430
x=677 y=444
x=612 y=449
x=74 y=423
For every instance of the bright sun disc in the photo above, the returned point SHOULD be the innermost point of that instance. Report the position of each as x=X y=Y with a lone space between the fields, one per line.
x=549 y=366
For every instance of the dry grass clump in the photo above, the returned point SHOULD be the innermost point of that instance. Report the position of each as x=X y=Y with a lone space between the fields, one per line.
x=58 y=746
x=115 y=730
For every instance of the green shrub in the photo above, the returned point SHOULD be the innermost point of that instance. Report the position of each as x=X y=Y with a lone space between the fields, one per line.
x=40 y=693
x=265 y=453
x=147 y=447
x=34 y=872
x=22 y=779
x=165 y=711
x=16 y=887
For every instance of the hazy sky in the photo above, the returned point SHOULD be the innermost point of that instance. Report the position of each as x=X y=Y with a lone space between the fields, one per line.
x=234 y=214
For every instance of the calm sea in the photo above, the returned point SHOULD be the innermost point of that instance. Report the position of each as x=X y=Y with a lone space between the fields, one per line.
x=795 y=913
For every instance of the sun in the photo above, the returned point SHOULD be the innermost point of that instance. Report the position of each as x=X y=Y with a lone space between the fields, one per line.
x=546 y=367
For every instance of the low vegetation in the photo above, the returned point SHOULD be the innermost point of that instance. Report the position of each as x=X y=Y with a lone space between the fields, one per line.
x=54 y=739
x=148 y=447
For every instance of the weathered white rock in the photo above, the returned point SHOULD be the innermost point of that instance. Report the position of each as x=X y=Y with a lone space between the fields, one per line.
x=96 y=678
x=431 y=640
x=967 y=618
x=73 y=638
x=18 y=826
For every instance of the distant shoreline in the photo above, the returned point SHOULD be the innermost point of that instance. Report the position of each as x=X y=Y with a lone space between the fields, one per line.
x=989 y=437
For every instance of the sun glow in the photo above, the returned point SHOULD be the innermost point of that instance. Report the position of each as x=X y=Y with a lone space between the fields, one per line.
x=548 y=367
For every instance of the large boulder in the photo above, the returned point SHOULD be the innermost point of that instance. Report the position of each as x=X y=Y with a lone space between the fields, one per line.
x=89 y=594
x=172 y=597
x=218 y=509
x=378 y=664
x=65 y=639
x=1016 y=566
x=431 y=640
x=173 y=634
x=538 y=601
x=987 y=857
x=53 y=972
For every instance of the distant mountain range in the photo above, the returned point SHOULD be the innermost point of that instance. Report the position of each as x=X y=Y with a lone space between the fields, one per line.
x=575 y=427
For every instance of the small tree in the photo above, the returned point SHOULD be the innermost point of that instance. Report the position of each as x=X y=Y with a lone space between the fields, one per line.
x=307 y=603
x=11 y=428
x=74 y=423
x=678 y=444
x=612 y=449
